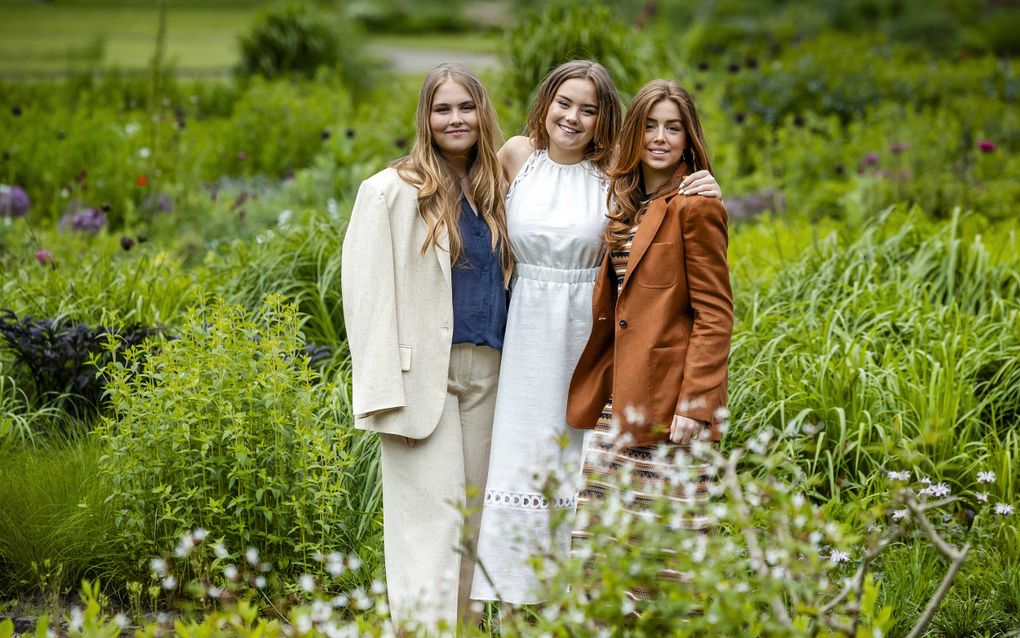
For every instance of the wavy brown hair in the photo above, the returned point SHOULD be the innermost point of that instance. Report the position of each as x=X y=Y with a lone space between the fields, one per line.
x=439 y=190
x=607 y=124
x=626 y=179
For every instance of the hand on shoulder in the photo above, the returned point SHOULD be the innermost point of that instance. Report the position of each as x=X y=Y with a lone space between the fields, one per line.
x=513 y=154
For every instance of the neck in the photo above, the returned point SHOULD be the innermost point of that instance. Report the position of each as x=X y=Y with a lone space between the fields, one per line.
x=561 y=156
x=459 y=164
x=653 y=180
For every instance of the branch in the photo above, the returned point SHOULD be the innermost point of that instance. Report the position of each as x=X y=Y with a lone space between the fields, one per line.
x=731 y=482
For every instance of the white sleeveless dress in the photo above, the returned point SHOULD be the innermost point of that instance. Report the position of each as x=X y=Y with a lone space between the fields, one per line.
x=556 y=215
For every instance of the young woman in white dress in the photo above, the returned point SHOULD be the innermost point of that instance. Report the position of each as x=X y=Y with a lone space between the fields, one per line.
x=556 y=217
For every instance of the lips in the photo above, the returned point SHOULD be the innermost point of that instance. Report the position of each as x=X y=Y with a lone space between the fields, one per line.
x=659 y=152
x=568 y=130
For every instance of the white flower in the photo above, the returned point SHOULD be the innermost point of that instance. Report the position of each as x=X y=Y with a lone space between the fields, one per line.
x=986 y=477
x=284 y=217
x=214 y=592
x=144 y=152
x=199 y=535
x=307 y=582
x=1002 y=509
x=260 y=582
x=938 y=490
x=5 y=189
x=378 y=587
x=925 y=480
x=158 y=567
x=77 y=619
x=899 y=515
x=335 y=564
x=983 y=497
x=627 y=607
x=303 y=624
x=169 y=583
x=131 y=128
x=252 y=556
x=321 y=611
x=220 y=550
x=184 y=547
x=899 y=476
x=340 y=601
x=837 y=556
x=353 y=563
x=120 y=620
x=231 y=572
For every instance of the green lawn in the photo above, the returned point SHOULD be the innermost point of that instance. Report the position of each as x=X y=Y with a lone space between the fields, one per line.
x=51 y=39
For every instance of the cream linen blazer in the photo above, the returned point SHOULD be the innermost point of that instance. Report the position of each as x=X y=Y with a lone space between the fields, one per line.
x=398 y=311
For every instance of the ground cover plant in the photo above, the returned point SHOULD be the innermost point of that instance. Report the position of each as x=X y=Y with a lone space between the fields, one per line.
x=872 y=196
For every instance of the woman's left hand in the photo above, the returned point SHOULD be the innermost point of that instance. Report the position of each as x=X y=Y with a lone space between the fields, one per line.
x=701 y=183
x=683 y=430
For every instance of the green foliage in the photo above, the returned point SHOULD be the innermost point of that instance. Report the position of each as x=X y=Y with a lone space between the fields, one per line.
x=53 y=518
x=299 y=37
x=906 y=333
x=543 y=40
x=224 y=428
x=410 y=16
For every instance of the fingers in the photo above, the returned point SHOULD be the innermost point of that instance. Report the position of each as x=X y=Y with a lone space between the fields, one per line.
x=683 y=430
x=701 y=183
x=409 y=441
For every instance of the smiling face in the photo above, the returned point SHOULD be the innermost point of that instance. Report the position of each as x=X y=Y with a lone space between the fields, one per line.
x=570 y=120
x=664 y=143
x=453 y=121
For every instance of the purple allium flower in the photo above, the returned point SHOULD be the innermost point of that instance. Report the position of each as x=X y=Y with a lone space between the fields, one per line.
x=45 y=257
x=158 y=203
x=751 y=63
x=703 y=65
x=351 y=133
x=16 y=110
x=798 y=120
x=739 y=117
x=87 y=220
x=733 y=67
x=987 y=146
x=242 y=156
x=400 y=142
x=698 y=86
x=871 y=159
x=325 y=135
x=898 y=147
x=14 y=201
x=840 y=169
x=126 y=242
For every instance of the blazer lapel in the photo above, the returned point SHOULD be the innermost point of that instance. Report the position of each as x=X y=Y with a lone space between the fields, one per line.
x=647 y=229
x=442 y=251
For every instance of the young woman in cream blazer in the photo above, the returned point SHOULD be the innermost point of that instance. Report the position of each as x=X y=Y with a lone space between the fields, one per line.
x=425 y=268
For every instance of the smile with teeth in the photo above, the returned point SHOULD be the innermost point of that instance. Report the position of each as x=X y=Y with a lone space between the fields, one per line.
x=659 y=151
x=568 y=130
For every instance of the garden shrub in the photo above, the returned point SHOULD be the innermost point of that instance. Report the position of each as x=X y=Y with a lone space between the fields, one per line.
x=64 y=359
x=298 y=37
x=543 y=40
x=410 y=16
x=226 y=429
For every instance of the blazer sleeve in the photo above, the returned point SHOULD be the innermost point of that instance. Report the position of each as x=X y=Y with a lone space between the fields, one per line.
x=705 y=240
x=369 y=303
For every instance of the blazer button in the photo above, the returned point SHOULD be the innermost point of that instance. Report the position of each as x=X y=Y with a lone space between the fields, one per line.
x=623 y=323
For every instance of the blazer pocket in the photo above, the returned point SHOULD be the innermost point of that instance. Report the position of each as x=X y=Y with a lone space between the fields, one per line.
x=405 y=358
x=665 y=376
x=659 y=266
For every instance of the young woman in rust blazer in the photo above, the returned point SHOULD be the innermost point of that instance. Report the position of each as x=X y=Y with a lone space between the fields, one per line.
x=654 y=368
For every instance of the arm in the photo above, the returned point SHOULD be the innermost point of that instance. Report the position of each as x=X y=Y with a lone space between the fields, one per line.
x=708 y=280
x=701 y=183
x=369 y=304
x=513 y=154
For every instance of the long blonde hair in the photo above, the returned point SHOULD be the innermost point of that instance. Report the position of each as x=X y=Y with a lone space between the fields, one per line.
x=439 y=190
x=607 y=124
x=626 y=179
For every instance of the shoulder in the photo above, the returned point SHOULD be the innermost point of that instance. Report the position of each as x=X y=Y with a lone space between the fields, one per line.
x=387 y=180
x=698 y=208
x=514 y=153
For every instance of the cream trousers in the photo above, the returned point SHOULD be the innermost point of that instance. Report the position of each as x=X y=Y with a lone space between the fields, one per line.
x=428 y=489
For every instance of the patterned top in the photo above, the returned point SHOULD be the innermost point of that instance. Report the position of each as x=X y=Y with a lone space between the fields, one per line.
x=619 y=258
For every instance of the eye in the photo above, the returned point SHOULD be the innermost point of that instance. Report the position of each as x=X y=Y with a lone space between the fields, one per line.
x=563 y=104
x=675 y=129
x=589 y=111
x=649 y=126
x=468 y=107
x=441 y=109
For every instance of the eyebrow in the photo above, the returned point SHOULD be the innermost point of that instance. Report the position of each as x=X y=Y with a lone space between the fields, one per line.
x=461 y=103
x=673 y=121
x=560 y=96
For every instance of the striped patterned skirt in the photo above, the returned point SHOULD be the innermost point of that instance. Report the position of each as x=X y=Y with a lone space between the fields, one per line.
x=640 y=477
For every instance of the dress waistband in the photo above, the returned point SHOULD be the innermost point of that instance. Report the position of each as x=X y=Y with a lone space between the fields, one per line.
x=559 y=275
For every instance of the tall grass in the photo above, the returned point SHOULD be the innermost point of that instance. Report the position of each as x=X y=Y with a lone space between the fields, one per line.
x=909 y=332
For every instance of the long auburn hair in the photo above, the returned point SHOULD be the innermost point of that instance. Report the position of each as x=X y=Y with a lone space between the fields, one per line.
x=439 y=190
x=626 y=178
x=607 y=123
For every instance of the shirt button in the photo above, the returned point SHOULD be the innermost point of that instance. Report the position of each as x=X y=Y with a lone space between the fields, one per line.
x=485 y=269
x=623 y=323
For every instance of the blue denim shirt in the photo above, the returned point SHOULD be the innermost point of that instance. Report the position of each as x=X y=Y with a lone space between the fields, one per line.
x=479 y=299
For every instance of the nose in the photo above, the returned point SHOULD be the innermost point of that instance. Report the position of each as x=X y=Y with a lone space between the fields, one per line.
x=573 y=114
x=659 y=133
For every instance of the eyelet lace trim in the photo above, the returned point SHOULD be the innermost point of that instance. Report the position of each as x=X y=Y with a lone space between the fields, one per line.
x=529 y=165
x=527 y=500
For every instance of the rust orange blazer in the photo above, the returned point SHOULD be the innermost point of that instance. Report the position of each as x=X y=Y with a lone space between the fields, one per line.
x=660 y=346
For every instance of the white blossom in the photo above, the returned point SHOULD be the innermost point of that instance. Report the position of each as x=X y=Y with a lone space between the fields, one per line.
x=220 y=550
x=260 y=582
x=77 y=619
x=199 y=535
x=838 y=556
x=986 y=477
x=899 y=515
x=252 y=556
x=144 y=152
x=1002 y=509
x=158 y=567
x=231 y=572
x=938 y=490
x=169 y=583
x=898 y=476
x=307 y=582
